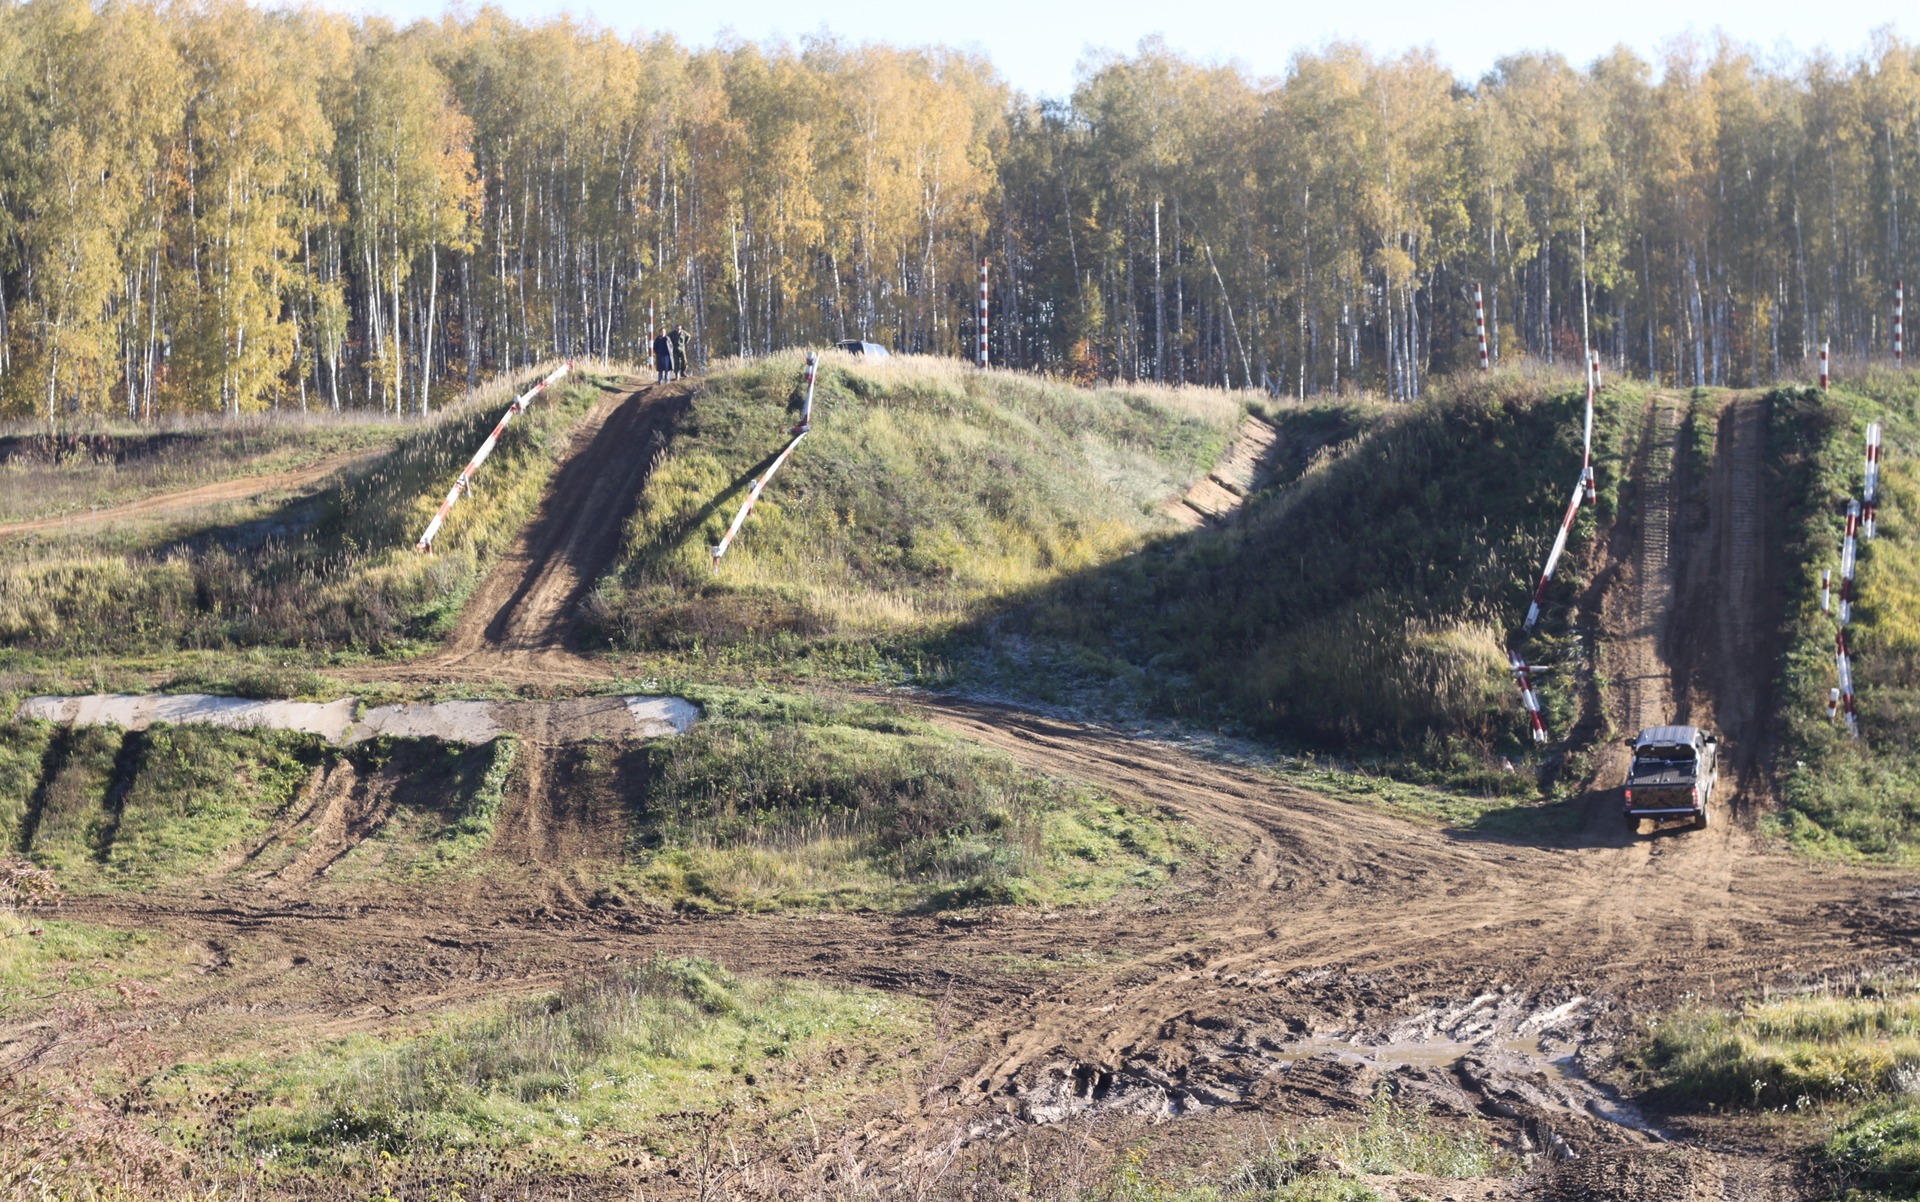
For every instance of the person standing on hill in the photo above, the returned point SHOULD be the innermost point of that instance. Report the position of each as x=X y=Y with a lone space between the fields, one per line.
x=679 y=339
x=662 y=357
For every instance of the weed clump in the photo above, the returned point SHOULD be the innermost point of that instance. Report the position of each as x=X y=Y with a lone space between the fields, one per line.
x=862 y=807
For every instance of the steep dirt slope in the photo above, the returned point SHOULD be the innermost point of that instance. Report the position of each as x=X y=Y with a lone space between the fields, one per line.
x=530 y=601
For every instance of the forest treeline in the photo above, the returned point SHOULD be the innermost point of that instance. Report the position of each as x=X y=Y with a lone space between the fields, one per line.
x=210 y=207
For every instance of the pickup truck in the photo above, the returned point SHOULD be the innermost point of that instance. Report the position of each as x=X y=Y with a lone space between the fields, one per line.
x=1672 y=775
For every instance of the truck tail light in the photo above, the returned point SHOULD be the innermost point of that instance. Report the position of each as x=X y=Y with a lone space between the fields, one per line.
x=1629 y=793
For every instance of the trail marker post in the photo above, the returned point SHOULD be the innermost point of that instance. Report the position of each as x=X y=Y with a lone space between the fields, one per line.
x=1849 y=559
x=1826 y=360
x=1523 y=676
x=1480 y=325
x=806 y=408
x=1870 y=492
x=465 y=480
x=981 y=356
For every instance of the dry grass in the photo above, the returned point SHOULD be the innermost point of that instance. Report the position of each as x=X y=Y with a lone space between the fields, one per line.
x=333 y=573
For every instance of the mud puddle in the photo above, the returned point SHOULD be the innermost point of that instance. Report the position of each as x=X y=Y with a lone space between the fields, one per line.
x=568 y=720
x=1518 y=1060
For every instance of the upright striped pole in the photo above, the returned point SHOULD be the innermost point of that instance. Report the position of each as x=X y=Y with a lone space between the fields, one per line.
x=1826 y=362
x=1899 y=323
x=1870 y=493
x=806 y=409
x=1849 y=557
x=981 y=357
x=1480 y=324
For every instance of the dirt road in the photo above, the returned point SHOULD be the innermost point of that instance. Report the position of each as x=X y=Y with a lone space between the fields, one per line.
x=523 y=621
x=1242 y=990
x=244 y=488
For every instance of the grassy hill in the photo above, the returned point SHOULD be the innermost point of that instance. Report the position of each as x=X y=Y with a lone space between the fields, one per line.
x=1367 y=601
x=1840 y=795
x=926 y=491
x=319 y=576
x=1006 y=535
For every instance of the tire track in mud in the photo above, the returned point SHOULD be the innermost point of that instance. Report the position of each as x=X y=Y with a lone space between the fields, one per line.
x=1331 y=916
x=529 y=603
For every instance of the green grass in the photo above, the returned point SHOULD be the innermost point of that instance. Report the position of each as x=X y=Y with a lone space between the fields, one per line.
x=130 y=810
x=539 y=1081
x=779 y=801
x=1842 y=797
x=112 y=810
x=1847 y=1062
x=1367 y=603
x=48 y=961
x=317 y=577
x=925 y=492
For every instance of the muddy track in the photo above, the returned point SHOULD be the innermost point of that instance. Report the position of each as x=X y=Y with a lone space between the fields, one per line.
x=528 y=607
x=1316 y=917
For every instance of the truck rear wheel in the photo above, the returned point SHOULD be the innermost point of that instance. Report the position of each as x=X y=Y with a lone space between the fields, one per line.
x=1700 y=819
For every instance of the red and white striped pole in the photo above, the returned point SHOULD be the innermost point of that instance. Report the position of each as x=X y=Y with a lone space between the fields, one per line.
x=1480 y=325
x=1870 y=494
x=1826 y=360
x=1553 y=556
x=753 y=497
x=465 y=479
x=1899 y=322
x=1523 y=676
x=981 y=356
x=1849 y=558
x=1843 y=663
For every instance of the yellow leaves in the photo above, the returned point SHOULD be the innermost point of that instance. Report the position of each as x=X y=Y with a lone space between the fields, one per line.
x=1396 y=264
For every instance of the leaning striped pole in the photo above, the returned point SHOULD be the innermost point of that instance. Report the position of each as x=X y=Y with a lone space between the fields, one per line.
x=981 y=355
x=1553 y=556
x=1899 y=323
x=1826 y=361
x=465 y=479
x=1870 y=493
x=1480 y=325
x=1843 y=663
x=753 y=497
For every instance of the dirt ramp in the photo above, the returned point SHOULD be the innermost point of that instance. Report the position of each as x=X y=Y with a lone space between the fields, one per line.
x=531 y=600
x=1728 y=636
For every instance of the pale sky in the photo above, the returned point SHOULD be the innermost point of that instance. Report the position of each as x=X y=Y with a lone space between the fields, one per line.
x=1036 y=44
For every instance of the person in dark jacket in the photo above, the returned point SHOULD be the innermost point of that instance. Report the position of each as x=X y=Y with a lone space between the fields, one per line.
x=662 y=357
x=679 y=340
